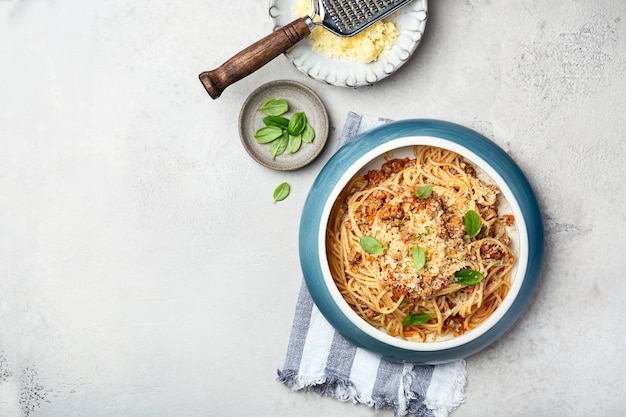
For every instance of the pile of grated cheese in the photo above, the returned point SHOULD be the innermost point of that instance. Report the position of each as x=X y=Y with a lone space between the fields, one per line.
x=366 y=46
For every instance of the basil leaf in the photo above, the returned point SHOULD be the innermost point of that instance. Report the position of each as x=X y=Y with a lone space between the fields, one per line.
x=267 y=134
x=419 y=257
x=424 y=192
x=279 y=145
x=281 y=192
x=277 y=121
x=371 y=245
x=308 y=134
x=468 y=277
x=297 y=123
x=415 y=319
x=472 y=223
x=274 y=107
x=294 y=143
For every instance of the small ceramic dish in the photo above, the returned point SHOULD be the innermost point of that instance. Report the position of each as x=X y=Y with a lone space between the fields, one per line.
x=368 y=151
x=299 y=98
x=411 y=20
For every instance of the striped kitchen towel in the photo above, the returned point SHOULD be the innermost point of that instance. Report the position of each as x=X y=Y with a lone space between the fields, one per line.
x=321 y=360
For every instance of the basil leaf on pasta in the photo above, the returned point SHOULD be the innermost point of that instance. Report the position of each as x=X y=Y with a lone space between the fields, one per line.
x=281 y=192
x=472 y=223
x=415 y=319
x=424 y=191
x=419 y=257
x=468 y=277
x=371 y=245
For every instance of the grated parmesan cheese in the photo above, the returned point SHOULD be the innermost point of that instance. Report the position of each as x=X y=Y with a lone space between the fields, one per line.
x=366 y=46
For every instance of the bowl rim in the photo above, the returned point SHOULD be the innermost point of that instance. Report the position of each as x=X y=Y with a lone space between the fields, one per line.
x=349 y=160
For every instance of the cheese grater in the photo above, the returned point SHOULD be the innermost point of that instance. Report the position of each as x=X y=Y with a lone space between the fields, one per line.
x=341 y=17
x=349 y=17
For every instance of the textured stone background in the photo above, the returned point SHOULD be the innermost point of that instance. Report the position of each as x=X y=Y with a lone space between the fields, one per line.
x=145 y=271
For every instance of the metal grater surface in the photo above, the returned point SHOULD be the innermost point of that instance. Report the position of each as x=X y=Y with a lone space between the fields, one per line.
x=349 y=17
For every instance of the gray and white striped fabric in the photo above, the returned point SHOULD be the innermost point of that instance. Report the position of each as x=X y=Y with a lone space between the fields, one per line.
x=321 y=360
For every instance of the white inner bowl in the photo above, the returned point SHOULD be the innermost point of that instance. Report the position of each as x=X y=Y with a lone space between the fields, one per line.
x=403 y=147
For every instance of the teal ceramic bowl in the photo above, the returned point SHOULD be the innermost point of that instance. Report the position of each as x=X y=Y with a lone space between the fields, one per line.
x=367 y=152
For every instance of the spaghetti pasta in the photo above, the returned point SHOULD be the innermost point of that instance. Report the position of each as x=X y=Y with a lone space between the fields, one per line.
x=401 y=251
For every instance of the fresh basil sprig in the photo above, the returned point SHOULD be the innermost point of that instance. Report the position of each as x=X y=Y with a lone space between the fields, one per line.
x=424 y=191
x=283 y=133
x=419 y=257
x=277 y=121
x=279 y=146
x=274 y=107
x=281 y=192
x=297 y=123
x=415 y=319
x=468 y=276
x=371 y=245
x=294 y=143
x=308 y=134
x=472 y=223
x=268 y=134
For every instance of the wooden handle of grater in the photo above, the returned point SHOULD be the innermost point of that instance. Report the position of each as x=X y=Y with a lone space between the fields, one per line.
x=254 y=57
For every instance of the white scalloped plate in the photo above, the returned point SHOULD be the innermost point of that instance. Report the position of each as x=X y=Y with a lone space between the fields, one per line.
x=411 y=19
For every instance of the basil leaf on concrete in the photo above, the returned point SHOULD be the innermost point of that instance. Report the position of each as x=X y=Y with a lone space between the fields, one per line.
x=281 y=192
